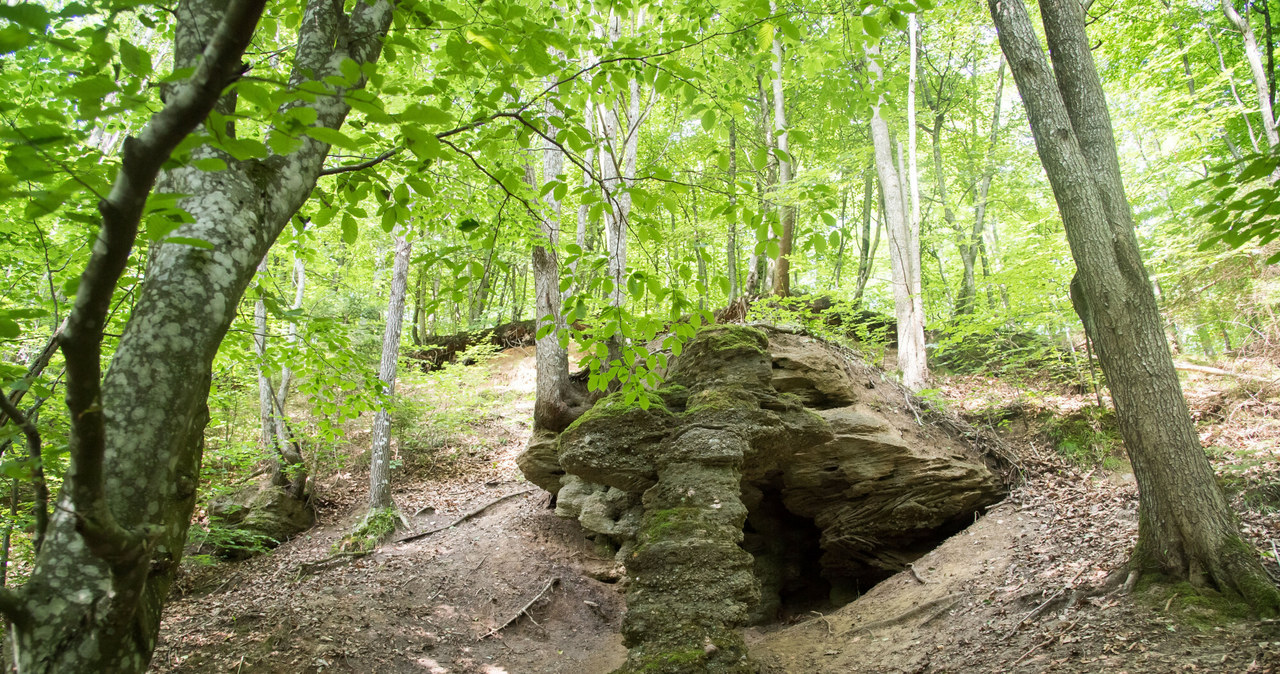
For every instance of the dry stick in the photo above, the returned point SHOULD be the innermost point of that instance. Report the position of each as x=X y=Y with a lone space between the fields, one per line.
x=1044 y=643
x=1035 y=612
x=464 y=518
x=1188 y=367
x=522 y=610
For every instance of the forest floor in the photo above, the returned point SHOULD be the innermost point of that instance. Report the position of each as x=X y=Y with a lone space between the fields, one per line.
x=515 y=589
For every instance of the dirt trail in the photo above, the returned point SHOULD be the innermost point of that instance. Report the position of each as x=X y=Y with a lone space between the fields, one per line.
x=1013 y=592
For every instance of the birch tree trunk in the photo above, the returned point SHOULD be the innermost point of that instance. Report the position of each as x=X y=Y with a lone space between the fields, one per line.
x=782 y=268
x=266 y=400
x=1186 y=529
x=380 y=452
x=290 y=471
x=904 y=256
x=1254 y=57
x=549 y=408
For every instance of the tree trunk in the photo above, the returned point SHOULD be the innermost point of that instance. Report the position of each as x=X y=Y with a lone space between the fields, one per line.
x=549 y=408
x=731 y=245
x=1254 y=57
x=290 y=470
x=844 y=234
x=867 y=251
x=903 y=265
x=1186 y=529
x=266 y=407
x=116 y=538
x=782 y=269
x=380 y=453
x=1231 y=85
x=756 y=268
x=584 y=210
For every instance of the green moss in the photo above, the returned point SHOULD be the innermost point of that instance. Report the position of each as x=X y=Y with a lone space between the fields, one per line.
x=719 y=399
x=615 y=405
x=668 y=522
x=733 y=338
x=1087 y=437
x=376 y=527
x=677 y=661
x=1200 y=608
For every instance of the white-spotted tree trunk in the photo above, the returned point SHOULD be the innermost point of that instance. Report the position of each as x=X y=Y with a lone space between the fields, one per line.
x=94 y=598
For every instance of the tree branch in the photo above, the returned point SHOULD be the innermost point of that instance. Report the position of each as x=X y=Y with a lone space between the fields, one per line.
x=188 y=104
x=37 y=467
x=362 y=165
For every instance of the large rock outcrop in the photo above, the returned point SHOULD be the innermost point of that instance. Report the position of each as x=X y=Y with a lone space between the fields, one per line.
x=769 y=466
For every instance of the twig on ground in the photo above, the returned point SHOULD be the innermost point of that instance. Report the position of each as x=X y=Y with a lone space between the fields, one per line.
x=522 y=611
x=337 y=559
x=830 y=630
x=1044 y=643
x=1036 y=611
x=464 y=518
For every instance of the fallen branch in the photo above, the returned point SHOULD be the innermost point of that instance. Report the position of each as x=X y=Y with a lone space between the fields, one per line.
x=522 y=610
x=309 y=568
x=465 y=517
x=1044 y=643
x=1188 y=367
x=1036 y=611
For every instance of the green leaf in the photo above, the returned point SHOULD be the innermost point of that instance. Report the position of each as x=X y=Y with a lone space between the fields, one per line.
x=350 y=229
x=189 y=241
x=210 y=164
x=709 y=120
x=27 y=14
x=331 y=137
x=9 y=329
x=871 y=25
x=135 y=60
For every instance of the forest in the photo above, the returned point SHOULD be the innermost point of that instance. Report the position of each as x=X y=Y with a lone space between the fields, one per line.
x=716 y=328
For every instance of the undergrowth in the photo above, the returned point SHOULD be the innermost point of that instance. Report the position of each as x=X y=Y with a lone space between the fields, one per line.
x=433 y=426
x=376 y=527
x=1087 y=437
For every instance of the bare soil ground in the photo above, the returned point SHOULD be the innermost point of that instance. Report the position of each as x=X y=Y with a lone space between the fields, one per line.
x=1021 y=590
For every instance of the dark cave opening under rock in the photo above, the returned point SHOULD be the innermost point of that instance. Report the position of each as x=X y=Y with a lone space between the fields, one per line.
x=788 y=555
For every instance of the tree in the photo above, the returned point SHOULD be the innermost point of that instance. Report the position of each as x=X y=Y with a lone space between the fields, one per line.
x=94 y=599
x=380 y=451
x=904 y=248
x=782 y=268
x=1186 y=529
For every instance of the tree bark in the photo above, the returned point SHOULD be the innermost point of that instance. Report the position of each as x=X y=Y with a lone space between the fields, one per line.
x=1186 y=529
x=903 y=265
x=380 y=452
x=1254 y=57
x=552 y=360
x=782 y=268
x=94 y=599
x=867 y=251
